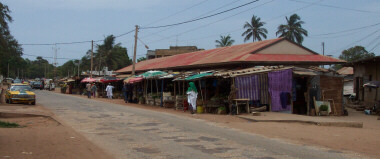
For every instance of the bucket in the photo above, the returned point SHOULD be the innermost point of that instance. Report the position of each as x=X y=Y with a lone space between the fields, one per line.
x=199 y=109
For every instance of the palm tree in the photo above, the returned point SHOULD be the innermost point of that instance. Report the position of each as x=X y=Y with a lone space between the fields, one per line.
x=224 y=41
x=293 y=29
x=255 y=30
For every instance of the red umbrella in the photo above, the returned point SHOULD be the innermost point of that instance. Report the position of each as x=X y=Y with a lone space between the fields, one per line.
x=109 y=79
x=135 y=80
x=88 y=80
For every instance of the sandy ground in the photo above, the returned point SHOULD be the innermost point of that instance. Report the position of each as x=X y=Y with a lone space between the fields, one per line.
x=361 y=140
x=43 y=137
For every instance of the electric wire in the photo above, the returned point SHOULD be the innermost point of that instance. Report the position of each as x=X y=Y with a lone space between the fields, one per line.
x=190 y=30
x=156 y=33
x=197 y=19
x=338 y=7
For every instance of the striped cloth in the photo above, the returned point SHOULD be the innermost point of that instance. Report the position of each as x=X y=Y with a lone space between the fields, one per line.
x=263 y=83
x=248 y=87
x=279 y=81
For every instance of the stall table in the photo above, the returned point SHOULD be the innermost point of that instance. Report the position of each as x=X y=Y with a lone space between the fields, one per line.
x=242 y=101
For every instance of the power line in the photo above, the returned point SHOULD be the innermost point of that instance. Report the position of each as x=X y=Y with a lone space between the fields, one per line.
x=367 y=36
x=349 y=30
x=338 y=7
x=273 y=18
x=213 y=22
x=193 y=20
x=47 y=57
x=156 y=33
x=178 y=12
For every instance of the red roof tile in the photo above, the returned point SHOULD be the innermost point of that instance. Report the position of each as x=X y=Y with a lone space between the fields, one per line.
x=232 y=54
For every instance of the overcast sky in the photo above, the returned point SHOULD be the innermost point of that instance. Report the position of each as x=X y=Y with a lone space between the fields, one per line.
x=56 y=21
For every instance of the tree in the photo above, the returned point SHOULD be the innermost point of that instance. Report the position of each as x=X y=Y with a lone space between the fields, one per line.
x=355 y=53
x=141 y=59
x=293 y=29
x=224 y=41
x=255 y=30
x=111 y=55
x=10 y=50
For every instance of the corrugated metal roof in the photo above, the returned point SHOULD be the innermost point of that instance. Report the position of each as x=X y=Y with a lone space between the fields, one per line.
x=243 y=53
x=346 y=71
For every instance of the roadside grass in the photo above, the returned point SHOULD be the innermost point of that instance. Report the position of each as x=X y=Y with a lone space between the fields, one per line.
x=8 y=125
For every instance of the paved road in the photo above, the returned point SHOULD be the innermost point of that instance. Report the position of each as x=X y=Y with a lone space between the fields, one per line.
x=129 y=132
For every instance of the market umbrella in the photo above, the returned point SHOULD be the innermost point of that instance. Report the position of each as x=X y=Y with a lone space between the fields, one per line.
x=88 y=80
x=152 y=74
x=108 y=79
x=198 y=76
x=133 y=79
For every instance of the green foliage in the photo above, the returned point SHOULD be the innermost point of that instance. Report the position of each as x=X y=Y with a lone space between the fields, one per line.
x=8 y=125
x=10 y=50
x=255 y=30
x=293 y=29
x=224 y=41
x=111 y=55
x=323 y=108
x=141 y=59
x=355 y=53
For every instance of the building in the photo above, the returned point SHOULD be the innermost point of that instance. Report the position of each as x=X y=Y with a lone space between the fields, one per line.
x=364 y=71
x=173 y=50
x=348 y=73
x=277 y=66
x=271 y=52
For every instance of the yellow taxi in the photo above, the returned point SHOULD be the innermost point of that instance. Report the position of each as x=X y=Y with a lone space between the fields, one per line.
x=20 y=93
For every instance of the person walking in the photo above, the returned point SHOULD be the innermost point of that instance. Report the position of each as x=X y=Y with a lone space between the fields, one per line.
x=192 y=95
x=88 y=89
x=109 y=91
x=125 y=93
x=94 y=89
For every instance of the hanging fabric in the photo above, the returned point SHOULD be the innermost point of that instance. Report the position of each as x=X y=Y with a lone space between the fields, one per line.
x=248 y=87
x=279 y=82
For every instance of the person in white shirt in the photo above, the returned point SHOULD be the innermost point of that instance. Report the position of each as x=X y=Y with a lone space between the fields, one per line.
x=109 y=91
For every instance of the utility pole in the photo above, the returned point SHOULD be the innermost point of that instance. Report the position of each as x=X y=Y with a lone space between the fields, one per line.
x=323 y=48
x=45 y=71
x=323 y=51
x=134 y=51
x=8 y=70
x=55 y=60
x=78 y=67
x=92 y=56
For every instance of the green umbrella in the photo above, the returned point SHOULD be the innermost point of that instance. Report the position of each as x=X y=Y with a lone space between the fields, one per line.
x=198 y=76
x=152 y=74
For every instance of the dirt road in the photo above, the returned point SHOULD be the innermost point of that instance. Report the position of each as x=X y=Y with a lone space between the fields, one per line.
x=42 y=137
x=129 y=132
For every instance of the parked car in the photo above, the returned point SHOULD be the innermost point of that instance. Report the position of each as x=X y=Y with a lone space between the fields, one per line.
x=38 y=85
x=17 y=81
x=20 y=93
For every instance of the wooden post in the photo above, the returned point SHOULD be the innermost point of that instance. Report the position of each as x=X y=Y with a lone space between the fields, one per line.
x=92 y=57
x=200 y=89
x=134 y=50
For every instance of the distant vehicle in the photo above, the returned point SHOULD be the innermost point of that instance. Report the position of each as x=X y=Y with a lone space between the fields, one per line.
x=20 y=93
x=9 y=80
x=31 y=83
x=17 y=81
x=38 y=85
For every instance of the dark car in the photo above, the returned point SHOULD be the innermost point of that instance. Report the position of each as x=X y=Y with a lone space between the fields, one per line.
x=38 y=85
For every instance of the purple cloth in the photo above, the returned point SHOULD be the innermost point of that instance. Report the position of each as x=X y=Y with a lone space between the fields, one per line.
x=279 y=81
x=248 y=87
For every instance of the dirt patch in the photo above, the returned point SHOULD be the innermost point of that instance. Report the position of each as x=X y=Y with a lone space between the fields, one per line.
x=41 y=136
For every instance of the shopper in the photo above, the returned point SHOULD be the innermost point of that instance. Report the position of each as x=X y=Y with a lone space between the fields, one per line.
x=88 y=89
